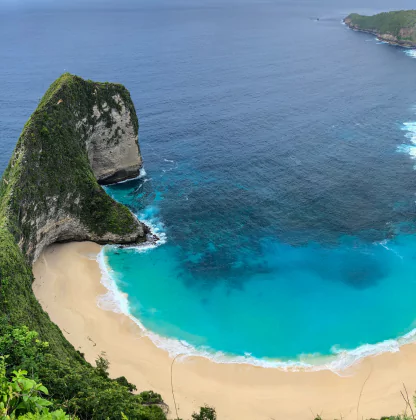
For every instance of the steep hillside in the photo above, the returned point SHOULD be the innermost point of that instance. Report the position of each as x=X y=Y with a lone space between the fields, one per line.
x=80 y=132
x=394 y=27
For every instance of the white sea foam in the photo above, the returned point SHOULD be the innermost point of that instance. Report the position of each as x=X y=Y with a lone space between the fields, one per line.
x=156 y=228
x=113 y=300
x=174 y=166
x=142 y=174
x=410 y=53
x=409 y=148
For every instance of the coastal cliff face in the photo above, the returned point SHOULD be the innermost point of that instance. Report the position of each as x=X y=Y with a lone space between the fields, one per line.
x=398 y=28
x=113 y=148
x=82 y=132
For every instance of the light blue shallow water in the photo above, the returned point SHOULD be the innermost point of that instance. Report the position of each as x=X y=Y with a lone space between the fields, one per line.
x=280 y=155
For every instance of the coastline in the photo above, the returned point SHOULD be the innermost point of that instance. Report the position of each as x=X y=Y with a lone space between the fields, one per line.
x=380 y=37
x=67 y=284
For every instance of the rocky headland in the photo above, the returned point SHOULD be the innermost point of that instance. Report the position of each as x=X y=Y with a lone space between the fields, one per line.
x=81 y=135
x=397 y=28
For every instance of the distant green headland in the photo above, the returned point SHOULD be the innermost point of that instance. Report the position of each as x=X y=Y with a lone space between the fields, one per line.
x=397 y=27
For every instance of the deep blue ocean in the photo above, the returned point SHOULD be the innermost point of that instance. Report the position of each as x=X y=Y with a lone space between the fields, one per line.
x=279 y=154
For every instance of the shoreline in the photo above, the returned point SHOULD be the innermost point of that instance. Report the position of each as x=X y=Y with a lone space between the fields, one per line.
x=68 y=286
x=337 y=363
x=380 y=37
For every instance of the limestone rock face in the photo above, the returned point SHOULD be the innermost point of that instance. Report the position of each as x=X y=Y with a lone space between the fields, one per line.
x=113 y=151
x=57 y=225
x=83 y=133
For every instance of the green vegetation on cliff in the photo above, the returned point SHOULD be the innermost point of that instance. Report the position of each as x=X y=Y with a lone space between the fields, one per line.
x=48 y=183
x=49 y=193
x=397 y=26
x=50 y=170
x=33 y=380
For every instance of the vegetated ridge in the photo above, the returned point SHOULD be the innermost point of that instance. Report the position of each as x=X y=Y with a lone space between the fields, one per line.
x=398 y=28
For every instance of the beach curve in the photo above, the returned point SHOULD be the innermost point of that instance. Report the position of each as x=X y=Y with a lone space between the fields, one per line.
x=67 y=284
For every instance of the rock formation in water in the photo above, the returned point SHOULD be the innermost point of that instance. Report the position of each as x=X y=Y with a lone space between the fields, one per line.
x=82 y=133
x=397 y=28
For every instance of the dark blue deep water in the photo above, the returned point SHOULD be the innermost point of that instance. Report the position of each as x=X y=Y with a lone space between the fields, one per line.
x=279 y=165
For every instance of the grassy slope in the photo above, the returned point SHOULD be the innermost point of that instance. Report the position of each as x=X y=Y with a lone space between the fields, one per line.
x=387 y=23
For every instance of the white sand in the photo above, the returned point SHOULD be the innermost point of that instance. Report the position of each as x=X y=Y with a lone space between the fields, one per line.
x=68 y=284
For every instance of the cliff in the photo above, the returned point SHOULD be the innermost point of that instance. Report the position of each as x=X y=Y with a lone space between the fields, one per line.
x=81 y=133
x=398 y=28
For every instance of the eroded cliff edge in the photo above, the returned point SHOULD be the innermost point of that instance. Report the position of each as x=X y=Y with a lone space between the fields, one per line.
x=82 y=133
x=398 y=27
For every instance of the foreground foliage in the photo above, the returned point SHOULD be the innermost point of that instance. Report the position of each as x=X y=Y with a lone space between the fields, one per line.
x=34 y=382
x=22 y=396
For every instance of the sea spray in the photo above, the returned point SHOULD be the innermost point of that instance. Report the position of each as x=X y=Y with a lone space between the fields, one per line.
x=409 y=148
x=410 y=53
x=142 y=174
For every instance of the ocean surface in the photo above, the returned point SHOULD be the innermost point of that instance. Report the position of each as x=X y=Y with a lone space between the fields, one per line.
x=279 y=168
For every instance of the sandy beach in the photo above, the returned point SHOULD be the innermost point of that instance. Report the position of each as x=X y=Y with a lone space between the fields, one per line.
x=68 y=287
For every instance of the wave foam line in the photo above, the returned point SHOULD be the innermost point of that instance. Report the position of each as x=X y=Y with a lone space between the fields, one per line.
x=410 y=53
x=142 y=174
x=156 y=229
x=409 y=149
x=341 y=359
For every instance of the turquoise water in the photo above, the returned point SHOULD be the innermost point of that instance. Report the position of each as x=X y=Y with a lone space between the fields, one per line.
x=302 y=313
x=294 y=303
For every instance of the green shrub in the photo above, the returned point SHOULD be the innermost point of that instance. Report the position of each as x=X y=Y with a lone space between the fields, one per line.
x=20 y=395
x=55 y=415
x=76 y=388
x=205 y=413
